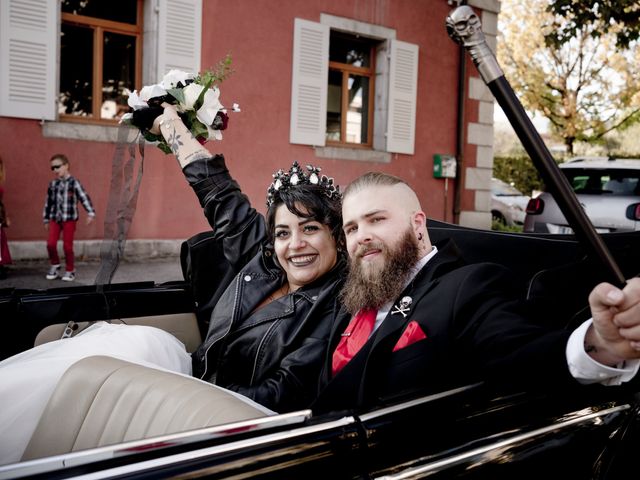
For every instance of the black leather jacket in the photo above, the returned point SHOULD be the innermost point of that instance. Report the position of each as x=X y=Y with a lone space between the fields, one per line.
x=273 y=355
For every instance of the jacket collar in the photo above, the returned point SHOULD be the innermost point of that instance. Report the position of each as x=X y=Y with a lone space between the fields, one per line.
x=447 y=259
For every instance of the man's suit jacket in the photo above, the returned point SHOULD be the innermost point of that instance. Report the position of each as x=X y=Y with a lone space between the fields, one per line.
x=474 y=328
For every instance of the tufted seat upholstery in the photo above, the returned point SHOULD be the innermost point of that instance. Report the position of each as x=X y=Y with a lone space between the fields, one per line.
x=183 y=326
x=103 y=400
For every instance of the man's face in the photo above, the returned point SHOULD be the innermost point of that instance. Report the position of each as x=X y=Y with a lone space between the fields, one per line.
x=381 y=225
x=374 y=222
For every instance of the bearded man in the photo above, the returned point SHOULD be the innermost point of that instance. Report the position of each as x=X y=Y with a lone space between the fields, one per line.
x=415 y=319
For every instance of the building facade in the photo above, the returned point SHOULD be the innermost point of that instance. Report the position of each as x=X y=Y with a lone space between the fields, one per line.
x=349 y=86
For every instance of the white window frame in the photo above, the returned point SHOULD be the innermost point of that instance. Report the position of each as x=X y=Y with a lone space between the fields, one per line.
x=382 y=141
x=162 y=51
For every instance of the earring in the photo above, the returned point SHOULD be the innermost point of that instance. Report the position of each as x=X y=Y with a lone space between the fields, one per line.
x=420 y=237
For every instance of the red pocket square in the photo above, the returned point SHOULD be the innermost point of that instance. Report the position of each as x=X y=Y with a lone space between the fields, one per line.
x=412 y=334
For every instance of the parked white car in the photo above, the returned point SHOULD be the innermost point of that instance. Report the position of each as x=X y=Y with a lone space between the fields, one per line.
x=508 y=204
x=607 y=188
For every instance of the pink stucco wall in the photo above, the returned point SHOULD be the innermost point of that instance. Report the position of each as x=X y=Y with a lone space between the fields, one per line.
x=259 y=35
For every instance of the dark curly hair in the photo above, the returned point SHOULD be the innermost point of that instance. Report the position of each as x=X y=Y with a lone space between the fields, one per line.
x=309 y=201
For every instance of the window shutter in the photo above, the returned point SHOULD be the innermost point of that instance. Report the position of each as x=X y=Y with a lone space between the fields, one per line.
x=309 y=83
x=179 y=36
x=403 y=87
x=28 y=55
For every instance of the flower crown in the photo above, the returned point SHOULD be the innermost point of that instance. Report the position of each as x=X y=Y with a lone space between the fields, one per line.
x=196 y=98
x=284 y=181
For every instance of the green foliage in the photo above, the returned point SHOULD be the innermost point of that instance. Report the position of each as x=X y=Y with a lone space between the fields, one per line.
x=519 y=171
x=499 y=226
x=621 y=17
x=216 y=75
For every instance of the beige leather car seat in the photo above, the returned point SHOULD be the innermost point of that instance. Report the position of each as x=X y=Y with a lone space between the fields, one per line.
x=184 y=326
x=103 y=400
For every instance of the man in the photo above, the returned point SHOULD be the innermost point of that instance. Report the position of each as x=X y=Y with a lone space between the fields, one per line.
x=416 y=319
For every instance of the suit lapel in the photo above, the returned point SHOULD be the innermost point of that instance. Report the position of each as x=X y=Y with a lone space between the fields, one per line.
x=353 y=378
x=446 y=259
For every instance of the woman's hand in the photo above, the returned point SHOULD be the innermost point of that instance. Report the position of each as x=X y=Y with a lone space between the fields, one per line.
x=170 y=114
x=182 y=143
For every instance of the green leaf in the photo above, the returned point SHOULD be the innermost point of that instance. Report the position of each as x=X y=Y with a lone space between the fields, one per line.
x=164 y=147
x=178 y=94
x=199 y=129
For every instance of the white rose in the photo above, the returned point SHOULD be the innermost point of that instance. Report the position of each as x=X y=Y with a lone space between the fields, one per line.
x=126 y=118
x=191 y=93
x=135 y=102
x=151 y=91
x=171 y=79
x=210 y=106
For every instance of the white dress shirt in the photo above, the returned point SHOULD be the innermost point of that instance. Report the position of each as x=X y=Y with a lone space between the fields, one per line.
x=586 y=370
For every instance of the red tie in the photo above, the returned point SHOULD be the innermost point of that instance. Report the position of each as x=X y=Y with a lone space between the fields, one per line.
x=353 y=338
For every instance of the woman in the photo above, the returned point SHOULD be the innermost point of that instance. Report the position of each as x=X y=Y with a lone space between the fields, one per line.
x=268 y=331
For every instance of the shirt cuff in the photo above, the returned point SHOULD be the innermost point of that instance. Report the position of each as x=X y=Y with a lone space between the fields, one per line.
x=586 y=370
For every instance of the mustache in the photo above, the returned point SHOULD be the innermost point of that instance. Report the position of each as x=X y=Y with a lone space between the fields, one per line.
x=362 y=250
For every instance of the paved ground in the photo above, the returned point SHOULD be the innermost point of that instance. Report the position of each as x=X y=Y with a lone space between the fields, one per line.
x=31 y=273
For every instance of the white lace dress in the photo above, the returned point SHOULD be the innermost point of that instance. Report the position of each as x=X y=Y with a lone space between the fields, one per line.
x=28 y=379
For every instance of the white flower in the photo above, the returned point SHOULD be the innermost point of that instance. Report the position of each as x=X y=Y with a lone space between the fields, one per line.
x=171 y=79
x=236 y=107
x=210 y=106
x=151 y=91
x=215 y=134
x=135 y=102
x=126 y=118
x=191 y=93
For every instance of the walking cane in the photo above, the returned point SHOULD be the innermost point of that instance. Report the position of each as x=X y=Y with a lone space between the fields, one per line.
x=464 y=27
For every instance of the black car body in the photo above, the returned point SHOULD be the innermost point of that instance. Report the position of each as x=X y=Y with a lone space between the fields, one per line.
x=469 y=432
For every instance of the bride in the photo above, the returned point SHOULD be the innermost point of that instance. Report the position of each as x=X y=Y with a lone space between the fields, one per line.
x=268 y=332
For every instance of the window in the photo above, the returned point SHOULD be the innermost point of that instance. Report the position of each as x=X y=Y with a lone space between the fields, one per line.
x=100 y=58
x=603 y=182
x=349 y=99
x=339 y=67
x=100 y=45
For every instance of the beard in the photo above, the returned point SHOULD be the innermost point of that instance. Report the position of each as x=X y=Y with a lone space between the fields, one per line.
x=371 y=286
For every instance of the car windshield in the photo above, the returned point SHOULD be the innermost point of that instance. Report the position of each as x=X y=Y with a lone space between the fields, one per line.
x=604 y=182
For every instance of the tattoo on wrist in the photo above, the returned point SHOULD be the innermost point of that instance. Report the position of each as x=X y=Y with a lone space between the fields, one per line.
x=174 y=141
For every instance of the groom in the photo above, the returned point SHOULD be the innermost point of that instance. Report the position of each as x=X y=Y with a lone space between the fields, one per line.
x=416 y=319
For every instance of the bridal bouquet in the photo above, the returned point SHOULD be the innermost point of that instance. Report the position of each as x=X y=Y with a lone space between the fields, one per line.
x=196 y=99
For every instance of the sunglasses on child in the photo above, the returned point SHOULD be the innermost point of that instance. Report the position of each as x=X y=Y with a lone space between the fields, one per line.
x=55 y=167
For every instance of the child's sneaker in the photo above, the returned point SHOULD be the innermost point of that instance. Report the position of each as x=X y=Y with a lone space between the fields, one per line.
x=53 y=272
x=69 y=276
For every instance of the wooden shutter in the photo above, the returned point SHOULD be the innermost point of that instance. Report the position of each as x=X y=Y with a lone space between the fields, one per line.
x=403 y=87
x=309 y=83
x=179 y=36
x=28 y=55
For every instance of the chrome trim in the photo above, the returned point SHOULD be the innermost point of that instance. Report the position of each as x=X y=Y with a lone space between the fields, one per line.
x=46 y=464
x=461 y=458
x=208 y=451
x=411 y=403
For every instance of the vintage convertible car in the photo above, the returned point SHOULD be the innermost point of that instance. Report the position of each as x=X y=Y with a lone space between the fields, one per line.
x=468 y=432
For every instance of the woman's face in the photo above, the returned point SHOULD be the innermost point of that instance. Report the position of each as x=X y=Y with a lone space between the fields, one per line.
x=305 y=248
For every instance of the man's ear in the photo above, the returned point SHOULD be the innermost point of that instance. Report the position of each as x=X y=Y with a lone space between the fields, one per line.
x=419 y=221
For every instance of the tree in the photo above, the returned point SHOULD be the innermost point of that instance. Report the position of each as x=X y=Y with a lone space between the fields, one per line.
x=621 y=17
x=585 y=86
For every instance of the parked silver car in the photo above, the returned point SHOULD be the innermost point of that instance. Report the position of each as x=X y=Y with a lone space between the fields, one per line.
x=508 y=204
x=607 y=188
